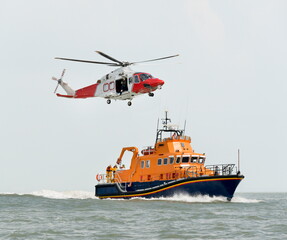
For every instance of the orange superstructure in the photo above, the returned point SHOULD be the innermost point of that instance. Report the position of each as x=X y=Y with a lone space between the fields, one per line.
x=171 y=158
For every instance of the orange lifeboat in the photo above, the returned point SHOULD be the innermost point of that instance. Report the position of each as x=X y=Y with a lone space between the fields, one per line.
x=171 y=166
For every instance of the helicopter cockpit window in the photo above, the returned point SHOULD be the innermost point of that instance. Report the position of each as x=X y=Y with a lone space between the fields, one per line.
x=145 y=76
x=136 y=78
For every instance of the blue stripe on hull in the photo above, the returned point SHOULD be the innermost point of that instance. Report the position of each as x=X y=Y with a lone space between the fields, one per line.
x=212 y=186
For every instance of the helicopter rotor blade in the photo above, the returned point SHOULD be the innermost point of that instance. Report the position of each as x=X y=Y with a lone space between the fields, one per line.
x=86 y=61
x=59 y=80
x=156 y=59
x=109 y=57
x=56 y=87
x=63 y=74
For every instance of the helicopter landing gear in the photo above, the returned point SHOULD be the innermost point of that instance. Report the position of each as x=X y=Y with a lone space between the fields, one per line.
x=151 y=94
x=109 y=101
x=129 y=103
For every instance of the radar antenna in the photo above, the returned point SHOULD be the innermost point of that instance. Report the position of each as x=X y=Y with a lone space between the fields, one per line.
x=165 y=121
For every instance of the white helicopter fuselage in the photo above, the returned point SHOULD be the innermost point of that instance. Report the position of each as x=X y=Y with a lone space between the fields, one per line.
x=121 y=84
x=110 y=85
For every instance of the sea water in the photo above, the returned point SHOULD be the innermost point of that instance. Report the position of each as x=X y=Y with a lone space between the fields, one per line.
x=80 y=215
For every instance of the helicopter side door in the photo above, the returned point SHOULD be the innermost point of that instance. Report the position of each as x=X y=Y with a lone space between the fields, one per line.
x=122 y=85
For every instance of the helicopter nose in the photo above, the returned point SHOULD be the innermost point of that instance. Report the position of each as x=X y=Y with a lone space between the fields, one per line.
x=156 y=82
x=160 y=82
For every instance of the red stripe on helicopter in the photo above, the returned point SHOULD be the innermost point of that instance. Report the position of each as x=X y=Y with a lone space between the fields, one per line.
x=66 y=96
x=85 y=92
x=82 y=92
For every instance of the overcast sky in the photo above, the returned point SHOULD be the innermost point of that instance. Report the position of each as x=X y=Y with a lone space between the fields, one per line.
x=229 y=83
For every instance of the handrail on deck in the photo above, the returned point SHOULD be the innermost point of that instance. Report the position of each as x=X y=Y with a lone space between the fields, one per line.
x=222 y=169
x=188 y=172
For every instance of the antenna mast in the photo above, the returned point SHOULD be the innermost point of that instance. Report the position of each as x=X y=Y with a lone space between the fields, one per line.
x=165 y=121
x=184 y=127
x=238 y=159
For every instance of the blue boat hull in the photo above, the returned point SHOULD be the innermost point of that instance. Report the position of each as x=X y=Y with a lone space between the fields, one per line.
x=212 y=186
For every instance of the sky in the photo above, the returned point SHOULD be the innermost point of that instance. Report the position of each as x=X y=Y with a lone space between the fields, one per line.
x=229 y=83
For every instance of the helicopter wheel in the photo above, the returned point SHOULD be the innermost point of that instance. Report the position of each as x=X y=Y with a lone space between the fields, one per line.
x=151 y=94
x=129 y=103
x=109 y=101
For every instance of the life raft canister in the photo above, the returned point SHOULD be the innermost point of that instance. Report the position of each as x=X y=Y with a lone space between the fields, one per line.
x=99 y=177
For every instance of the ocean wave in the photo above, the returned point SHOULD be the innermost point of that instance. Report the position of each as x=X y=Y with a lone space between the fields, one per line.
x=245 y=200
x=64 y=195
x=90 y=195
x=55 y=194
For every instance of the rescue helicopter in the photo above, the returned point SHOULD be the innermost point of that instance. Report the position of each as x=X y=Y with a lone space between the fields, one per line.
x=121 y=84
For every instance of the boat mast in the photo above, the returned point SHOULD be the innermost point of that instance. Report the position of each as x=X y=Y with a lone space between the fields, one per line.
x=165 y=121
x=184 y=127
x=238 y=159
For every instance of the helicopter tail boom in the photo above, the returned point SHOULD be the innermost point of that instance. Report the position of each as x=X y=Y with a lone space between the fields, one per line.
x=85 y=92
x=67 y=88
x=64 y=85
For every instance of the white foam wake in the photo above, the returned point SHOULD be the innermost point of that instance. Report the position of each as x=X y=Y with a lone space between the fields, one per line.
x=193 y=199
x=64 y=195
x=200 y=199
x=182 y=198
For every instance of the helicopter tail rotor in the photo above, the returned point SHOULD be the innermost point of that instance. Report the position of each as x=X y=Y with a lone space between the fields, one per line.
x=59 y=80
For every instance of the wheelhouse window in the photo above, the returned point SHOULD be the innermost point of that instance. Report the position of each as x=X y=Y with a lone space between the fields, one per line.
x=193 y=159
x=182 y=144
x=147 y=165
x=171 y=160
x=185 y=159
x=142 y=164
x=165 y=162
x=178 y=160
x=145 y=76
x=201 y=160
x=159 y=161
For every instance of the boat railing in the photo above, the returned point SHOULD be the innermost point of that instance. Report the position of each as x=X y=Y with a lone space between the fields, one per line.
x=221 y=169
x=147 y=150
x=112 y=178
x=102 y=178
x=181 y=173
x=177 y=137
x=193 y=172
